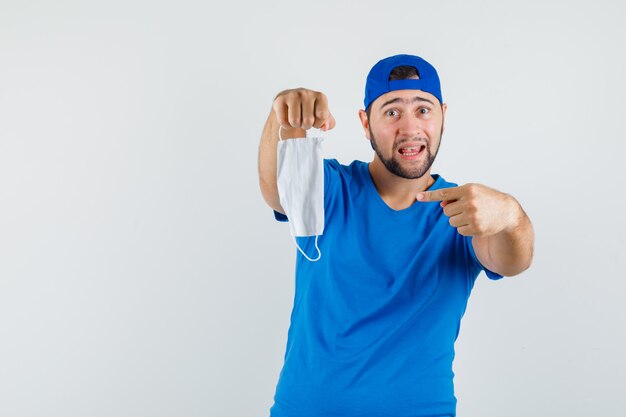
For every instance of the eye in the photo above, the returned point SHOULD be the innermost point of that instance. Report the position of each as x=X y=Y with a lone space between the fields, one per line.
x=391 y=113
x=424 y=110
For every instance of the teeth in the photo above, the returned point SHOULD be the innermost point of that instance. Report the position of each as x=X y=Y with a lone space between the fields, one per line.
x=414 y=150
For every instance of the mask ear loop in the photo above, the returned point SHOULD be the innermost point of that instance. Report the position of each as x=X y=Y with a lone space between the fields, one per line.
x=319 y=253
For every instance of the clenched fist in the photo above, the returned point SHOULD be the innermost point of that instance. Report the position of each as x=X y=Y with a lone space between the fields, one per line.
x=303 y=109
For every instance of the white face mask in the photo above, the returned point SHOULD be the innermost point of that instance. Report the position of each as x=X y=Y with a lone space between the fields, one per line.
x=300 y=183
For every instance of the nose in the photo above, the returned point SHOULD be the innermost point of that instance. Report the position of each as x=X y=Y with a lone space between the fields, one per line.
x=409 y=126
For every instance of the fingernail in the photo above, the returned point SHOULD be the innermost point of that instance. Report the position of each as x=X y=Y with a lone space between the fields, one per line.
x=420 y=196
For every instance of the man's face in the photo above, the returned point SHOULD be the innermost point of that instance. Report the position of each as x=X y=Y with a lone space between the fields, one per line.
x=404 y=129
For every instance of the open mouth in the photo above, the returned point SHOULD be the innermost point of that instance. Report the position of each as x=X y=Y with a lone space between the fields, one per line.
x=411 y=151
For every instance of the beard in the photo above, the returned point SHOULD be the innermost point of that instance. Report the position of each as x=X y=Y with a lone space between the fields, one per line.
x=393 y=164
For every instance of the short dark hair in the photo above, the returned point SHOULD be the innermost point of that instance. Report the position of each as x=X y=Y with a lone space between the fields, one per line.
x=403 y=72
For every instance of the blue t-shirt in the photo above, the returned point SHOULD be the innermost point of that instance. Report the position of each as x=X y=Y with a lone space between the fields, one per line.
x=374 y=320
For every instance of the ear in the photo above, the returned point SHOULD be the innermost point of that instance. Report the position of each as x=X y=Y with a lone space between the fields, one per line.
x=444 y=107
x=365 y=123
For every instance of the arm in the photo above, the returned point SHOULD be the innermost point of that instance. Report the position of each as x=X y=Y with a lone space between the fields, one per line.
x=502 y=234
x=296 y=110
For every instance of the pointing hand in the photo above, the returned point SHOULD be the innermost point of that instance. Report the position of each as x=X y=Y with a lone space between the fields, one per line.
x=475 y=209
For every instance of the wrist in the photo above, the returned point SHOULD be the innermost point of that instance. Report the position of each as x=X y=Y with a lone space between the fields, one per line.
x=515 y=215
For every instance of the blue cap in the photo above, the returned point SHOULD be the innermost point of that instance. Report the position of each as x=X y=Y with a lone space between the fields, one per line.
x=378 y=79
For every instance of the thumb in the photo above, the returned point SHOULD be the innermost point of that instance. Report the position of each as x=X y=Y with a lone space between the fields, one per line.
x=328 y=124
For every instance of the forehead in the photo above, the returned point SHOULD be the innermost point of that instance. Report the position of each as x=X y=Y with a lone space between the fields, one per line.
x=405 y=97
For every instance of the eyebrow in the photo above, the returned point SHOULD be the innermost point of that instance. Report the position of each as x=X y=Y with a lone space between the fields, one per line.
x=413 y=100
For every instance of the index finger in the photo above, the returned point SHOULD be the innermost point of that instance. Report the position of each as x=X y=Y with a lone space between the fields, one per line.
x=443 y=194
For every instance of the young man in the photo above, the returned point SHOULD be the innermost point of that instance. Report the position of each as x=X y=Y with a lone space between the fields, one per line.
x=375 y=319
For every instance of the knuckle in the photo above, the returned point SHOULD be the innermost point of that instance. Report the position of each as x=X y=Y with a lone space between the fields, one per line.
x=470 y=190
x=322 y=114
x=305 y=92
x=281 y=95
x=289 y=97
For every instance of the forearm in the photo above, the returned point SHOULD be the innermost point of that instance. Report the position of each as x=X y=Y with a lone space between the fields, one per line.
x=511 y=250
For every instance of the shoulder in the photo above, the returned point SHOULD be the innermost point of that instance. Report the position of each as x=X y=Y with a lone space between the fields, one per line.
x=354 y=169
x=335 y=164
x=338 y=176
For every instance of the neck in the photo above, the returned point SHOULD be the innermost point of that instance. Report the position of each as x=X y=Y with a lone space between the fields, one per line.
x=397 y=192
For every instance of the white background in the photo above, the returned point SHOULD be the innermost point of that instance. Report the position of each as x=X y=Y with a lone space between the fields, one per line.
x=141 y=273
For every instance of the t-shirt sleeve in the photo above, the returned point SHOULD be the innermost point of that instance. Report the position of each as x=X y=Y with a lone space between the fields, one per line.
x=331 y=167
x=477 y=264
x=280 y=217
